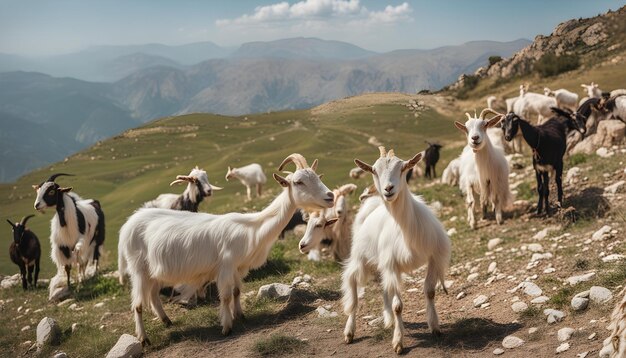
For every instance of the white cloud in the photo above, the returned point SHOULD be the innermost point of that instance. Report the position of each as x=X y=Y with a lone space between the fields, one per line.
x=319 y=11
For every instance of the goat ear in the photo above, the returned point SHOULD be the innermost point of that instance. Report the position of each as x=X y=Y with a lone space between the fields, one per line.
x=347 y=189
x=305 y=216
x=282 y=181
x=10 y=223
x=331 y=221
x=314 y=165
x=35 y=186
x=364 y=166
x=461 y=126
x=65 y=190
x=494 y=121
x=320 y=176
x=411 y=162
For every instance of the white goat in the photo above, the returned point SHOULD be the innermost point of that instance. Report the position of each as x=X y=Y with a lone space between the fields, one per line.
x=450 y=175
x=564 y=98
x=76 y=230
x=483 y=167
x=250 y=175
x=510 y=103
x=614 y=346
x=369 y=199
x=593 y=91
x=198 y=188
x=397 y=237
x=167 y=247
x=530 y=103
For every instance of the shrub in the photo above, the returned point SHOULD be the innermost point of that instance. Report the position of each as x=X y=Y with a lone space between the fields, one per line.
x=494 y=59
x=552 y=65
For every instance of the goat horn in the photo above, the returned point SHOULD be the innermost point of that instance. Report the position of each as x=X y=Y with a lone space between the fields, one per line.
x=182 y=179
x=383 y=151
x=25 y=219
x=296 y=159
x=468 y=115
x=213 y=187
x=54 y=176
x=391 y=153
x=487 y=111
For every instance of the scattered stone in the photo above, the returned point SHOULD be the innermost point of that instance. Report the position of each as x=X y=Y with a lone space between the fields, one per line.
x=493 y=243
x=60 y=355
x=451 y=231
x=498 y=351
x=48 y=332
x=492 y=267
x=25 y=328
x=603 y=152
x=603 y=233
x=592 y=336
x=480 y=300
x=538 y=257
x=460 y=295
x=600 y=294
x=574 y=280
x=126 y=347
x=540 y=300
x=519 y=306
x=99 y=305
x=65 y=302
x=274 y=290
x=296 y=280
x=511 y=342
x=472 y=277
x=541 y=234
x=59 y=294
x=554 y=315
x=535 y=248
x=582 y=355
x=613 y=257
x=74 y=327
x=532 y=289
x=532 y=330
x=565 y=333
x=324 y=313
x=615 y=187
x=579 y=303
x=572 y=175
x=562 y=348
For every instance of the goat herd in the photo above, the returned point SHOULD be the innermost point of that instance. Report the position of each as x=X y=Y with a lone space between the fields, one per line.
x=168 y=243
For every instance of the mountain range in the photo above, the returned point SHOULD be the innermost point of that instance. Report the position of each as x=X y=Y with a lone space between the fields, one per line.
x=77 y=99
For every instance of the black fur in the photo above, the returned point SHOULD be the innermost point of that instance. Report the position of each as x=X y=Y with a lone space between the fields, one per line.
x=66 y=251
x=25 y=246
x=431 y=157
x=98 y=235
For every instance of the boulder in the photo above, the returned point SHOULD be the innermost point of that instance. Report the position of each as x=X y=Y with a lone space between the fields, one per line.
x=600 y=295
x=610 y=132
x=48 y=332
x=511 y=342
x=274 y=290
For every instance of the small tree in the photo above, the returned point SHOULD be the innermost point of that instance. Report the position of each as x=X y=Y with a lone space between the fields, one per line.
x=494 y=59
x=552 y=65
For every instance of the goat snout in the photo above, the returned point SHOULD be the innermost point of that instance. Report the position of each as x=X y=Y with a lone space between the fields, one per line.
x=302 y=248
x=389 y=188
x=475 y=138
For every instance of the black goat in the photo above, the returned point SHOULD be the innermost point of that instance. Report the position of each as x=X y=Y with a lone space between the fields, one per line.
x=431 y=157
x=25 y=251
x=548 y=143
x=297 y=219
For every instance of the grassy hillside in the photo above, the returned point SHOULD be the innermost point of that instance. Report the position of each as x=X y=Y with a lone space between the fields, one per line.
x=127 y=170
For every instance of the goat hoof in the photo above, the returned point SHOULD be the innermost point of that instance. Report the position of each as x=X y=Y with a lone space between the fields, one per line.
x=167 y=321
x=398 y=348
x=146 y=342
x=348 y=338
x=226 y=331
x=437 y=333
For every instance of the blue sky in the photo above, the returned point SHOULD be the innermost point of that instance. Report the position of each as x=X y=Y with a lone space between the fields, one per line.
x=60 y=26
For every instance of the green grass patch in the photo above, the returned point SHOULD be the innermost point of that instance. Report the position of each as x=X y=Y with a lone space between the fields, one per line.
x=578 y=158
x=278 y=345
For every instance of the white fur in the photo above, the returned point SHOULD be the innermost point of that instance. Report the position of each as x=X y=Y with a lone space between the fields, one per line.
x=534 y=104
x=451 y=174
x=490 y=101
x=615 y=345
x=397 y=237
x=564 y=98
x=620 y=108
x=82 y=246
x=168 y=247
x=483 y=167
x=593 y=91
x=510 y=104
x=250 y=176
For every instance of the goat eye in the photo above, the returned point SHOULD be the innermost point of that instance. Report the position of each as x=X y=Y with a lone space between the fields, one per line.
x=318 y=225
x=51 y=192
x=298 y=182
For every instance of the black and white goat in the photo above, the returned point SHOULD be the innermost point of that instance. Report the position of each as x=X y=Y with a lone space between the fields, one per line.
x=198 y=188
x=548 y=142
x=431 y=157
x=25 y=251
x=76 y=230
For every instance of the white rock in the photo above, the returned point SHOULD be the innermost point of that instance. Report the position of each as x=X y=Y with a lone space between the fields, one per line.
x=532 y=330
x=60 y=355
x=452 y=231
x=48 y=332
x=126 y=347
x=274 y=290
x=519 y=306
x=493 y=243
x=541 y=234
x=535 y=248
x=538 y=257
x=472 y=277
x=603 y=152
x=74 y=327
x=480 y=300
x=324 y=313
x=565 y=333
x=511 y=342
x=600 y=294
x=99 y=305
x=554 y=315
x=532 y=289
x=579 y=303
x=460 y=295
x=498 y=351
x=25 y=328
x=582 y=355
x=613 y=257
x=562 y=348
x=492 y=267
x=572 y=175
x=615 y=187
x=574 y=280
x=540 y=300
x=603 y=233
x=296 y=281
